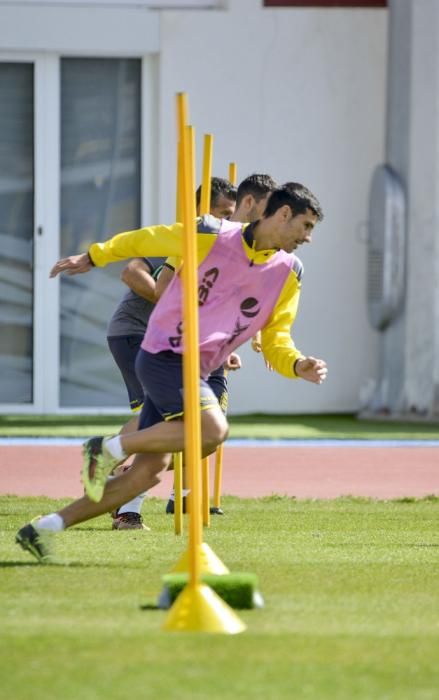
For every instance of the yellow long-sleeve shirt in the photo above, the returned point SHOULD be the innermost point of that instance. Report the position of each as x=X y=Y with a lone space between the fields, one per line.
x=161 y=240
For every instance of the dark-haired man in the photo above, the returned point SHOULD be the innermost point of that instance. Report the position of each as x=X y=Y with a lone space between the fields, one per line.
x=254 y=284
x=127 y=327
x=251 y=199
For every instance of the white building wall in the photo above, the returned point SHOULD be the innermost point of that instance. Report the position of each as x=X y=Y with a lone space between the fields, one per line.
x=85 y=30
x=421 y=380
x=297 y=93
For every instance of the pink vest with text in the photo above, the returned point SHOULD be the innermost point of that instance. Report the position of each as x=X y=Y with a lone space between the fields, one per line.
x=235 y=297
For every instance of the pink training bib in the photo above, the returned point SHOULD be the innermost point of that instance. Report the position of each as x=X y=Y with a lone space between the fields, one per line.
x=235 y=298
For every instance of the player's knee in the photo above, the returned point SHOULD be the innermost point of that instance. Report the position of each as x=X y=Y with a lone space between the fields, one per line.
x=214 y=430
x=147 y=467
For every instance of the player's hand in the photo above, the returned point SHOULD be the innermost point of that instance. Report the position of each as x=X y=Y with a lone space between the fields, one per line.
x=74 y=265
x=311 y=369
x=256 y=342
x=233 y=362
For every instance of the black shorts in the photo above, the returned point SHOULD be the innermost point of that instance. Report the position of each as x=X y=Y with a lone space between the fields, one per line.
x=161 y=375
x=124 y=349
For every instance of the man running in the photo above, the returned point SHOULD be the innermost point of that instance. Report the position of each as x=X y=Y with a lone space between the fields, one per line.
x=249 y=280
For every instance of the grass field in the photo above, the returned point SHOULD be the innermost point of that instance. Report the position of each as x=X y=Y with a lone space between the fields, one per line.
x=352 y=606
x=250 y=426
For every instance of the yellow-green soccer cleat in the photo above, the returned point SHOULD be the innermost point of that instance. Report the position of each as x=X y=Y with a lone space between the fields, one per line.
x=97 y=466
x=37 y=541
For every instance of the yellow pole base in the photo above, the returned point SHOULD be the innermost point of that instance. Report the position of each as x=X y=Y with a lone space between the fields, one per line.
x=199 y=609
x=209 y=562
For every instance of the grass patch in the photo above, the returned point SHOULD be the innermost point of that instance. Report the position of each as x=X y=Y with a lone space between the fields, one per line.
x=350 y=587
x=243 y=427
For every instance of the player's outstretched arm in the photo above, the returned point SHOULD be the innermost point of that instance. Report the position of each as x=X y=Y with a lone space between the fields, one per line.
x=73 y=265
x=311 y=369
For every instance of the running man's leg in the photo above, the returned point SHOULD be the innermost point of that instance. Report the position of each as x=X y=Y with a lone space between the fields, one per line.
x=152 y=445
x=217 y=381
x=142 y=476
x=162 y=379
x=124 y=349
x=37 y=536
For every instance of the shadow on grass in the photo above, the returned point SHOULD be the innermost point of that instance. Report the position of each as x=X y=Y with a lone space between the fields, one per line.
x=81 y=528
x=12 y=564
x=429 y=544
x=69 y=564
x=400 y=545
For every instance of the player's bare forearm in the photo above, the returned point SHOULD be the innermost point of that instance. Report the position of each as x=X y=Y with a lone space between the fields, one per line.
x=73 y=265
x=137 y=277
x=163 y=281
x=311 y=369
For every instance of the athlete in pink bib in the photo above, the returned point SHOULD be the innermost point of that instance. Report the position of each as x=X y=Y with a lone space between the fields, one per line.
x=249 y=280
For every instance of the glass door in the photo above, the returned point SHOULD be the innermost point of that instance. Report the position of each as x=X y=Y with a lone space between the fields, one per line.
x=100 y=196
x=16 y=232
x=71 y=153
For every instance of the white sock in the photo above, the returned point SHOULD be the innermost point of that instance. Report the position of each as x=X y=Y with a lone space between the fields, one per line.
x=133 y=506
x=53 y=522
x=113 y=445
x=185 y=492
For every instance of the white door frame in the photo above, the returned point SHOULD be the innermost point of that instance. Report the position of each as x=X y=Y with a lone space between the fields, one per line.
x=46 y=292
x=45 y=235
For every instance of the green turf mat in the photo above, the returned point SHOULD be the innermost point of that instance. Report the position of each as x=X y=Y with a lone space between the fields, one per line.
x=237 y=589
x=251 y=426
x=351 y=606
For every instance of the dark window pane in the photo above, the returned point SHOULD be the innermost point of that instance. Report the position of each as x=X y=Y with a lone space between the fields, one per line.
x=16 y=231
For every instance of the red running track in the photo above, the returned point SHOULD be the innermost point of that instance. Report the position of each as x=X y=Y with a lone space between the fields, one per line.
x=304 y=472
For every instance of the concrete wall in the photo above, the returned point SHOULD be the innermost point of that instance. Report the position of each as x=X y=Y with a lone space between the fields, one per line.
x=299 y=94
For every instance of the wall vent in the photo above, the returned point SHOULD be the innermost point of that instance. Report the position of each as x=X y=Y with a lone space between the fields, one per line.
x=386 y=248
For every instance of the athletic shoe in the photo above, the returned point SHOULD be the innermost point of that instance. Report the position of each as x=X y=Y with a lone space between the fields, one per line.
x=37 y=541
x=128 y=521
x=170 y=506
x=97 y=465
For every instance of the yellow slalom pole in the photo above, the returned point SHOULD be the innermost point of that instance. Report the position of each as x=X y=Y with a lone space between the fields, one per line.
x=182 y=119
x=198 y=608
x=207 y=174
x=233 y=173
x=178 y=493
x=218 y=477
x=205 y=209
x=179 y=206
x=191 y=366
x=178 y=457
x=219 y=454
x=205 y=491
